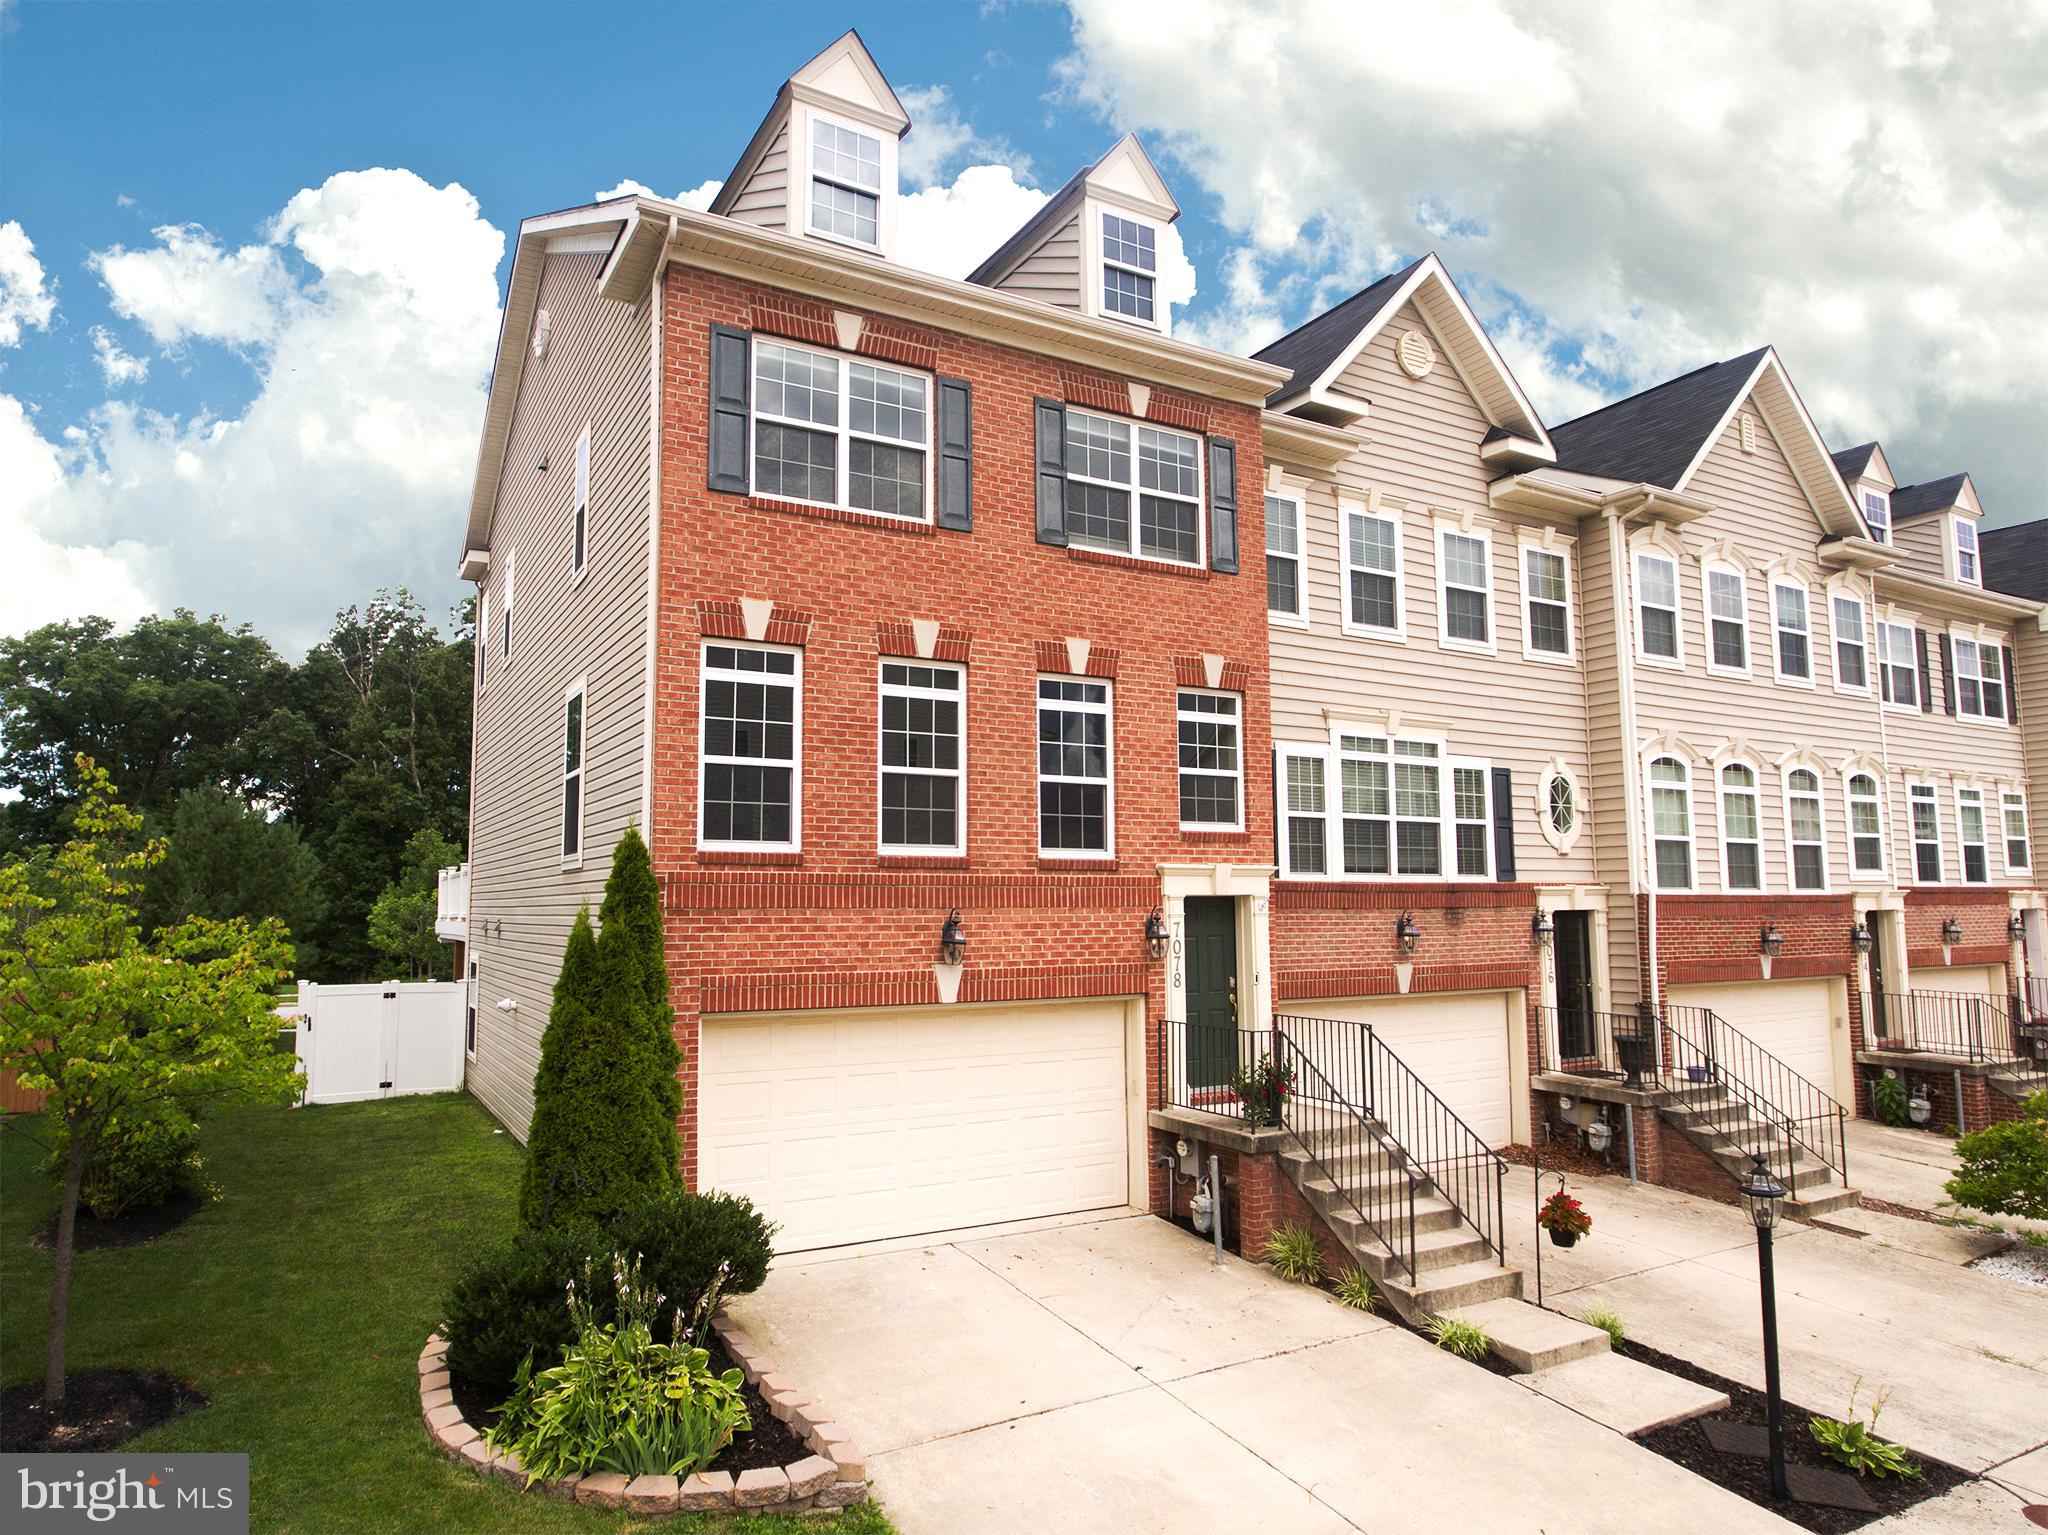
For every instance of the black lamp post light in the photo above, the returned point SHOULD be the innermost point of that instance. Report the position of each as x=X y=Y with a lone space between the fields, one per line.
x=1761 y=1193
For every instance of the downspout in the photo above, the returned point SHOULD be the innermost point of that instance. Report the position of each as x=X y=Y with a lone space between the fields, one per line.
x=657 y=310
x=1632 y=789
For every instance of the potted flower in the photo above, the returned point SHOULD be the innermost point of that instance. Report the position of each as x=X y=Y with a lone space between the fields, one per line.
x=1564 y=1218
x=1261 y=1090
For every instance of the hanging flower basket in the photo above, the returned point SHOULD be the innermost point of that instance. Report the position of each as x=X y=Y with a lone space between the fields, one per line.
x=1564 y=1218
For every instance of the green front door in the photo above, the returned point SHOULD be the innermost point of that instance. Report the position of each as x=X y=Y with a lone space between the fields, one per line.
x=1211 y=989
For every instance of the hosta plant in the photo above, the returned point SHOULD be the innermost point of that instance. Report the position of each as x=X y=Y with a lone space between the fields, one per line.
x=1855 y=1444
x=1293 y=1252
x=1455 y=1335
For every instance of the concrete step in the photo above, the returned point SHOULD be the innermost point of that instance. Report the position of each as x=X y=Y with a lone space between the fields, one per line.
x=1627 y=1396
x=1335 y=1202
x=1822 y=1201
x=1531 y=1338
x=1469 y=1284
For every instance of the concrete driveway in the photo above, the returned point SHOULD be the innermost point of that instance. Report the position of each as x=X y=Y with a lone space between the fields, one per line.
x=1102 y=1376
x=1865 y=1295
x=1911 y=1168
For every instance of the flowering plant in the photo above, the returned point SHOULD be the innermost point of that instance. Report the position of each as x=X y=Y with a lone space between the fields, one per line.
x=1561 y=1212
x=1261 y=1089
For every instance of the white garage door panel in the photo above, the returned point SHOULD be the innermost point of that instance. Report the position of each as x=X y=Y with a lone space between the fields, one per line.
x=846 y=1127
x=1976 y=980
x=1456 y=1042
x=1790 y=1019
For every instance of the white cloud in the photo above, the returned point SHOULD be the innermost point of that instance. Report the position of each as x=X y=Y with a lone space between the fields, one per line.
x=940 y=138
x=1629 y=191
x=117 y=367
x=698 y=197
x=24 y=299
x=188 y=286
x=42 y=578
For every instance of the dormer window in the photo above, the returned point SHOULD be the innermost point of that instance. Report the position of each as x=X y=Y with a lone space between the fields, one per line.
x=846 y=183
x=1130 y=268
x=1877 y=511
x=1966 y=550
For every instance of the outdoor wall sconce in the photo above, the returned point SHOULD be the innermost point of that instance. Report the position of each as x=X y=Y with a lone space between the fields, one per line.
x=1861 y=938
x=1406 y=932
x=2016 y=927
x=542 y=466
x=1951 y=931
x=952 y=939
x=1155 y=934
x=1771 y=941
x=1542 y=929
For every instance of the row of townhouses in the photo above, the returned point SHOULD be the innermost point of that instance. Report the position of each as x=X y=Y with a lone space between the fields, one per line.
x=1026 y=709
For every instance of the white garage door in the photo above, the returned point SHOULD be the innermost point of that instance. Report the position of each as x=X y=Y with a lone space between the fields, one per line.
x=1790 y=1019
x=1457 y=1042
x=1974 y=980
x=880 y=1122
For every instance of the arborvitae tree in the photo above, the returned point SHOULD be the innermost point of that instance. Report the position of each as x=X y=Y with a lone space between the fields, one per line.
x=632 y=941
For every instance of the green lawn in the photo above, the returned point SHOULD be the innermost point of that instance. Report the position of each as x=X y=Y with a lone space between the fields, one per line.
x=298 y=1303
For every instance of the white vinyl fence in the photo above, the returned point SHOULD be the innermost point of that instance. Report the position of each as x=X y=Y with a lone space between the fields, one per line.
x=379 y=1041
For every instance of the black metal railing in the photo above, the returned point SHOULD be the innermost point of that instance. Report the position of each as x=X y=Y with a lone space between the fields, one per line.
x=1371 y=1174
x=1970 y=1026
x=1200 y=1063
x=1581 y=1042
x=1776 y=1109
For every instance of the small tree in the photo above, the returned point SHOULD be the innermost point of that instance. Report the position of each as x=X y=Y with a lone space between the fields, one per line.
x=2004 y=1167
x=108 y=1025
x=402 y=920
x=631 y=918
x=226 y=860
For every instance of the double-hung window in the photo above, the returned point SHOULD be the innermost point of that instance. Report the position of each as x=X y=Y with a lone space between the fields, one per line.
x=1727 y=620
x=573 y=705
x=1110 y=465
x=1926 y=814
x=1866 y=827
x=846 y=182
x=1465 y=588
x=1471 y=827
x=1898 y=670
x=840 y=431
x=1970 y=833
x=1793 y=626
x=1852 y=663
x=923 y=758
x=1211 y=760
x=1073 y=767
x=1980 y=681
x=483 y=638
x=1546 y=601
x=1742 y=849
x=1657 y=607
x=505 y=613
x=1806 y=830
x=1966 y=550
x=1283 y=557
x=1305 y=812
x=1372 y=573
x=1397 y=806
x=1671 y=822
x=579 y=515
x=1877 y=512
x=752 y=748
x=2018 y=851
x=1130 y=268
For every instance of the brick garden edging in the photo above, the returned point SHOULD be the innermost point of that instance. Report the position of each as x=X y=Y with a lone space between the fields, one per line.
x=832 y=1476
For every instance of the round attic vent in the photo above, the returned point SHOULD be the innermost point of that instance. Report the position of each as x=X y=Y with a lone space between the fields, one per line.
x=1416 y=354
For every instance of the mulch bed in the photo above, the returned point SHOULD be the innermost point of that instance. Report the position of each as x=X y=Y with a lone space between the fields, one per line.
x=1686 y=1443
x=129 y=1230
x=102 y=1409
x=769 y=1444
x=1563 y=1156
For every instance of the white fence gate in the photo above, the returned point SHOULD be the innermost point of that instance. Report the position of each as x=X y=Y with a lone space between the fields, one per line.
x=379 y=1041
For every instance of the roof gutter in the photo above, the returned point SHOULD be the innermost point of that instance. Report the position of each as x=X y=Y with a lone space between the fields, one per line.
x=1953 y=595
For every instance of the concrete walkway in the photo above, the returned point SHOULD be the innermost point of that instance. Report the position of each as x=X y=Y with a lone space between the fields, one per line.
x=1911 y=1167
x=1103 y=1376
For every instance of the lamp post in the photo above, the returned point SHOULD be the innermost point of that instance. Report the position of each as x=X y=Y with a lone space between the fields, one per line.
x=1762 y=1193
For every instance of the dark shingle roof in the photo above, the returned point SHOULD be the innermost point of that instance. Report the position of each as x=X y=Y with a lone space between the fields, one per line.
x=1651 y=438
x=2016 y=559
x=1035 y=229
x=1309 y=349
x=1851 y=462
x=1928 y=496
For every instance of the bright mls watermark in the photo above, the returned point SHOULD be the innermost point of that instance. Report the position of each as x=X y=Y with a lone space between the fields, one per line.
x=163 y=1494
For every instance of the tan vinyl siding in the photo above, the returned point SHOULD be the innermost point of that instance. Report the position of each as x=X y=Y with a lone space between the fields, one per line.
x=1422 y=450
x=2031 y=643
x=1605 y=634
x=1918 y=540
x=1051 y=273
x=764 y=200
x=595 y=370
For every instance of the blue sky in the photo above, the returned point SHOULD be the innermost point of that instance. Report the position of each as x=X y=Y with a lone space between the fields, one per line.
x=250 y=254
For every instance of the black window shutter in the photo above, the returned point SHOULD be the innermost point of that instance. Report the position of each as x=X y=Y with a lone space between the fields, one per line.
x=1926 y=674
x=1223 y=505
x=956 y=455
x=2012 y=688
x=1503 y=824
x=1948 y=676
x=1050 y=418
x=727 y=457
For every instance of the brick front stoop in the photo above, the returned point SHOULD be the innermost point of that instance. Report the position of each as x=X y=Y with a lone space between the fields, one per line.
x=833 y=1475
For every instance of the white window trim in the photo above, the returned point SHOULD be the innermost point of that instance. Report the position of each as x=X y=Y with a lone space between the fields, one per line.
x=1102 y=265
x=1133 y=488
x=1783 y=678
x=483 y=639
x=1298 y=618
x=796 y=747
x=579 y=509
x=1398 y=635
x=1912 y=663
x=580 y=688
x=1827 y=881
x=1849 y=798
x=2006 y=798
x=1238 y=723
x=1953 y=548
x=1915 y=842
x=883 y=690
x=1107 y=708
x=1636 y=606
x=842 y=431
x=1707 y=619
x=1833 y=595
x=1562 y=550
x=1562 y=841
x=1962 y=845
x=885 y=212
x=1284 y=753
x=1880 y=533
x=1755 y=791
x=472 y=1025
x=1484 y=538
x=1332 y=755
x=505 y=612
x=1484 y=768
x=1692 y=823
x=1978 y=645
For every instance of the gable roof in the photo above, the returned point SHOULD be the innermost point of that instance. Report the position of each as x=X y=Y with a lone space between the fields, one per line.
x=1928 y=496
x=1128 y=154
x=2016 y=558
x=830 y=79
x=1309 y=349
x=1851 y=462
